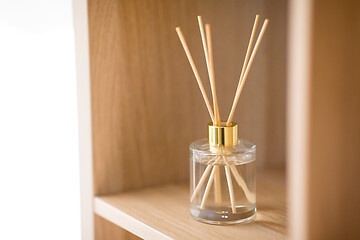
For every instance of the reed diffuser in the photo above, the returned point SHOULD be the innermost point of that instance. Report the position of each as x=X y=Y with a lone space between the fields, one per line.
x=222 y=184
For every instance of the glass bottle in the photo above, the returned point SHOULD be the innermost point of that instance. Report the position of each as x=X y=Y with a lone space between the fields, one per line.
x=222 y=177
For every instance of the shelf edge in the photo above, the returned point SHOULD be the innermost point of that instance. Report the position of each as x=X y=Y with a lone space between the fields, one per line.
x=127 y=222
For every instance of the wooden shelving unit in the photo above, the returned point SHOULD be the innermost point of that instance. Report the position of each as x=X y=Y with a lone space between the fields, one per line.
x=139 y=109
x=163 y=212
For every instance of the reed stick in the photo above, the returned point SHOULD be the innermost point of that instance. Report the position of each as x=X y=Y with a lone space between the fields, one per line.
x=242 y=184
x=207 y=189
x=203 y=40
x=196 y=73
x=212 y=73
x=212 y=160
x=240 y=181
x=217 y=185
x=230 y=185
x=209 y=184
x=243 y=79
x=245 y=63
x=203 y=178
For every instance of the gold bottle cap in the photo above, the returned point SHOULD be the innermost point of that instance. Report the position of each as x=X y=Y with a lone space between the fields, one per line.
x=223 y=135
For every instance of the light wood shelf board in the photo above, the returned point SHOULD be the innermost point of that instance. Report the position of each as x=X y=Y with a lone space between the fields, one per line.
x=163 y=212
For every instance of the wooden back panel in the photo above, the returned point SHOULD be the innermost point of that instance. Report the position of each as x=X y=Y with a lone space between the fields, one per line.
x=146 y=106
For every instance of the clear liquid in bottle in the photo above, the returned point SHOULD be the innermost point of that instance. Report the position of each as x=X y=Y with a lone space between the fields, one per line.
x=222 y=186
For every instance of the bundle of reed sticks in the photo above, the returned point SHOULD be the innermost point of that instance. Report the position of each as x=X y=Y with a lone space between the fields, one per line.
x=212 y=165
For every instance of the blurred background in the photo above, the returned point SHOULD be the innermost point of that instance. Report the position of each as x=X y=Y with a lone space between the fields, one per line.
x=39 y=166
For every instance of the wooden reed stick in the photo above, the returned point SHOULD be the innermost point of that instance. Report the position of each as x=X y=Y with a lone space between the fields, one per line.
x=208 y=187
x=245 y=63
x=207 y=46
x=196 y=73
x=212 y=160
x=242 y=184
x=202 y=33
x=217 y=185
x=202 y=179
x=230 y=185
x=212 y=74
x=243 y=79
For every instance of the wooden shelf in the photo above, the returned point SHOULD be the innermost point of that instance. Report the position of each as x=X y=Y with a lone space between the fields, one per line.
x=300 y=106
x=163 y=212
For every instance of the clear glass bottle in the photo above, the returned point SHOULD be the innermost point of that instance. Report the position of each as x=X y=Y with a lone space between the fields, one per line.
x=222 y=177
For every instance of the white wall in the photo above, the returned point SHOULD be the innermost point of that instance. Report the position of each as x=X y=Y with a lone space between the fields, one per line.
x=39 y=173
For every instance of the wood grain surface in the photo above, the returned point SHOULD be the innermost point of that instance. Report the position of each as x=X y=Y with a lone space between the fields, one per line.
x=163 y=212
